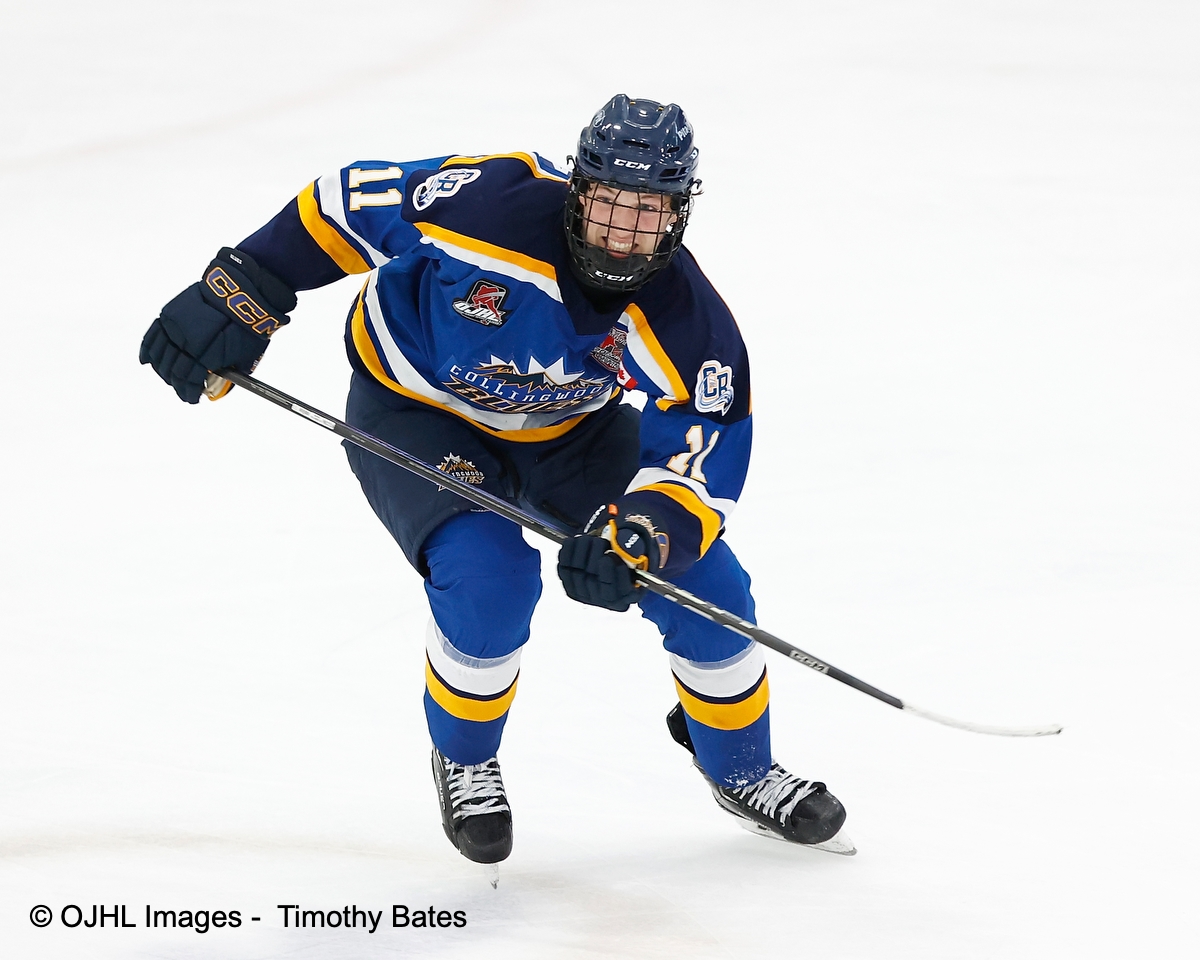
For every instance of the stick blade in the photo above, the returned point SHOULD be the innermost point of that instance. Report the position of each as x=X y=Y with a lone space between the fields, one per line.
x=1049 y=730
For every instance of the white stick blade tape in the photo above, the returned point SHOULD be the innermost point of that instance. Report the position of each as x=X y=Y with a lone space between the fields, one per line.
x=1046 y=731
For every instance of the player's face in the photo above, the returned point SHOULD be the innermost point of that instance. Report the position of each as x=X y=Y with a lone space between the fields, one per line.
x=625 y=222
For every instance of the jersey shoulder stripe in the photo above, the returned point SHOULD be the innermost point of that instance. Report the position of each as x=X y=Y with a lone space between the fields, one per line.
x=538 y=165
x=643 y=346
x=690 y=336
x=332 y=195
x=506 y=211
x=489 y=256
x=326 y=235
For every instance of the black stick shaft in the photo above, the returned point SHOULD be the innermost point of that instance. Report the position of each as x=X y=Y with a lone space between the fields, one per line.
x=484 y=499
x=648 y=580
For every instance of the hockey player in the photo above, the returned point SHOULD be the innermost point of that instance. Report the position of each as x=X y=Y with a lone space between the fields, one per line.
x=505 y=307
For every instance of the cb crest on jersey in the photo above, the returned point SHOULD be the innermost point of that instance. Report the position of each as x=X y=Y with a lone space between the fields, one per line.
x=444 y=184
x=714 y=387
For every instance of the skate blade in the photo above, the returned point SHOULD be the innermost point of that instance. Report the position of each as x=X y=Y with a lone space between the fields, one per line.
x=839 y=843
x=492 y=872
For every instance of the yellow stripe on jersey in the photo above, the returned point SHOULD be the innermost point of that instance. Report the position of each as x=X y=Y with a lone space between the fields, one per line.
x=679 y=391
x=467 y=708
x=530 y=161
x=726 y=716
x=710 y=520
x=327 y=238
x=370 y=358
x=540 y=267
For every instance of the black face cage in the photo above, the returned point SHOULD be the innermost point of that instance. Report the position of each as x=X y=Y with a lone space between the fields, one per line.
x=626 y=222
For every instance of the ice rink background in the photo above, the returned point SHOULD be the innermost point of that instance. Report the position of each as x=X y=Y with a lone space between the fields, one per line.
x=962 y=242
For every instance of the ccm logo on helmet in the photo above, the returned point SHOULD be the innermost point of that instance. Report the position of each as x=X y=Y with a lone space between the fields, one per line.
x=632 y=164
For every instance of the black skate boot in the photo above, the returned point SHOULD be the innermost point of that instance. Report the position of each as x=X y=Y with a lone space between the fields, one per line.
x=780 y=805
x=475 y=813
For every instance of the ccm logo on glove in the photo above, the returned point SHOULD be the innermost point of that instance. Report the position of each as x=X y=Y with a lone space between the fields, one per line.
x=241 y=303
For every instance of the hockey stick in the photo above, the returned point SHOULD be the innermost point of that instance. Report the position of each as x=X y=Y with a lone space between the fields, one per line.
x=648 y=580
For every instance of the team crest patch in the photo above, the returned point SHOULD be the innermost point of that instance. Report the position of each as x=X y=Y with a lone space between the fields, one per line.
x=482 y=304
x=612 y=350
x=460 y=469
x=444 y=184
x=714 y=388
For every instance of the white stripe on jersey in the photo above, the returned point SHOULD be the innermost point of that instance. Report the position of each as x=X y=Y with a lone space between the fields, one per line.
x=484 y=678
x=725 y=679
x=494 y=265
x=407 y=376
x=648 y=475
x=546 y=166
x=636 y=347
x=329 y=196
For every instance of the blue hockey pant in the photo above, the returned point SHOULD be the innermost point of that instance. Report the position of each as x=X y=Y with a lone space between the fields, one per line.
x=483 y=583
x=483 y=580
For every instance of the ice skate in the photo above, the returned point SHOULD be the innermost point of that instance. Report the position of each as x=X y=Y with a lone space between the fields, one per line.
x=475 y=812
x=781 y=805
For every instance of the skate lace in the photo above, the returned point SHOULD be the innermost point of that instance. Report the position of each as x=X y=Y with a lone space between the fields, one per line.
x=476 y=789
x=777 y=793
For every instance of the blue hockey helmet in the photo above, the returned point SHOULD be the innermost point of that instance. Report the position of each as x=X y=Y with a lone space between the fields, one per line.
x=641 y=144
x=635 y=155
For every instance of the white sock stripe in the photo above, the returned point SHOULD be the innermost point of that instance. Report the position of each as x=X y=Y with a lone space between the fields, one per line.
x=727 y=678
x=482 y=677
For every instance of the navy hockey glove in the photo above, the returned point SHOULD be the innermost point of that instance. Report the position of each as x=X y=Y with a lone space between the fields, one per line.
x=224 y=321
x=597 y=566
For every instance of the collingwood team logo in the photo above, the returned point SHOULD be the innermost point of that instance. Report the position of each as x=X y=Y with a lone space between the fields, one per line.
x=504 y=387
x=460 y=469
x=482 y=304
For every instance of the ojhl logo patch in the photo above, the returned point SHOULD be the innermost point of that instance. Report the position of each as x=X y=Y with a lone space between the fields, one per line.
x=482 y=304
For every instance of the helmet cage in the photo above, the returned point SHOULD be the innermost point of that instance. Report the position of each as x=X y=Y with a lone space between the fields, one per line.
x=656 y=227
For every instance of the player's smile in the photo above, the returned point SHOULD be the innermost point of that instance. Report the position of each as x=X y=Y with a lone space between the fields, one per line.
x=625 y=222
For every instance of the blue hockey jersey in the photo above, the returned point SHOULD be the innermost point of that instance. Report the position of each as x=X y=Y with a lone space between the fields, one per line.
x=470 y=306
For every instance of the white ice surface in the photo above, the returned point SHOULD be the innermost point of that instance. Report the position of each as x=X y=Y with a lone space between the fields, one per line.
x=962 y=240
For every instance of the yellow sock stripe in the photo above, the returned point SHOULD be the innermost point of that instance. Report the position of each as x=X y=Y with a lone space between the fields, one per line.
x=679 y=389
x=726 y=716
x=502 y=254
x=529 y=161
x=370 y=358
x=467 y=708
x=327 y=238
x=710 y=520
